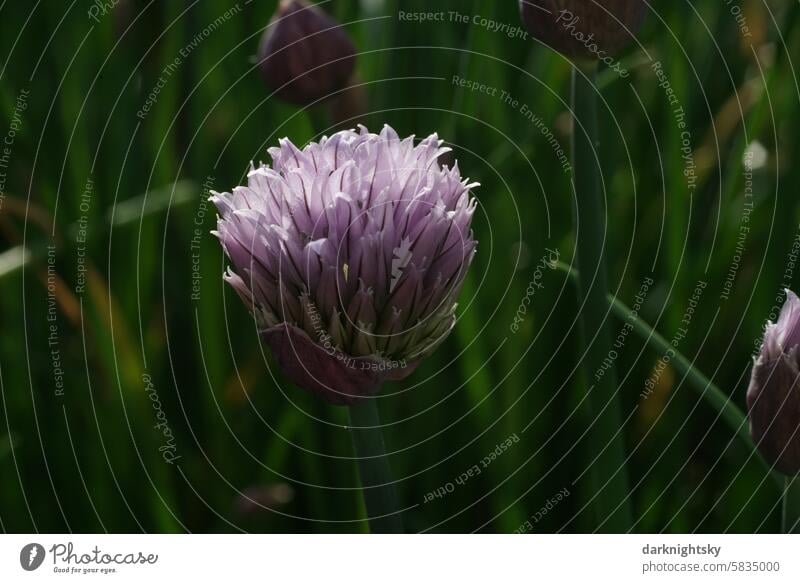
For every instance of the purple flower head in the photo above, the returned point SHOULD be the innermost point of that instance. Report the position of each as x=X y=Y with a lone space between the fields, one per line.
x=350 y=253
x=773 y=397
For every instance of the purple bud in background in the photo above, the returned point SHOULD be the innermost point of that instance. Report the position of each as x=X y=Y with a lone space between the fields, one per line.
x=773 y=397
x=305 y=54
x=593 y=29
x=350 y=253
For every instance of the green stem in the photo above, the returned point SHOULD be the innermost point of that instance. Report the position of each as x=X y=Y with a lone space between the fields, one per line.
x=791 y=505
x=373 y=466
x=713 y=395
x=321 y=121
x=608 y=473
x=729 y=412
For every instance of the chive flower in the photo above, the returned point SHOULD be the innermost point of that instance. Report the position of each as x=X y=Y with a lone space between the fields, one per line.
x=773 y=397
x=350 y=253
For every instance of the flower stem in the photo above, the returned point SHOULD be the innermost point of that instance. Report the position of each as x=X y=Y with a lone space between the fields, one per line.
x=713 y=395
x=377 y=485
x=791 y=505
x=607 y=451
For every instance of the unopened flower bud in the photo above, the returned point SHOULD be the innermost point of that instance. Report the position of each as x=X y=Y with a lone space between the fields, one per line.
x=305 y=54
x=773 y=397
x=594 y=29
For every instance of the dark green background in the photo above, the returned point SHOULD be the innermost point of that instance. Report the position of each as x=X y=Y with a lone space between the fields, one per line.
x=89 y=460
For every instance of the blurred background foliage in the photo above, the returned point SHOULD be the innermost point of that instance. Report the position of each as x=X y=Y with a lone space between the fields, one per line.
x=85 y=456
